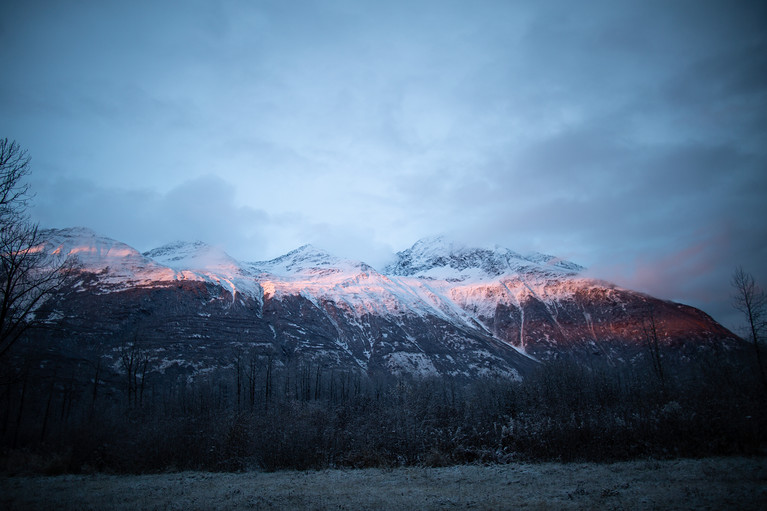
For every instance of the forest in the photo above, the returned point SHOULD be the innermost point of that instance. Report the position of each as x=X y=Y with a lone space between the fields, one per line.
x=259 y=415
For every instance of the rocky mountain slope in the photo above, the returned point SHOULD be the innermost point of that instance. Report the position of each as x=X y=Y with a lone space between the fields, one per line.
x=440 y=309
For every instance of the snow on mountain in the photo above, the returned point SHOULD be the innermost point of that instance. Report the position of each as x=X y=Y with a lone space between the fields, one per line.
x=467 y=284
x=120 y=266
x=319 y=276
x=433 y=277
x=363 y=294
x=91 y=249
x=550 y=261
x=308 y=261
x=200 y=261
x=182 y=255
x=440 y=259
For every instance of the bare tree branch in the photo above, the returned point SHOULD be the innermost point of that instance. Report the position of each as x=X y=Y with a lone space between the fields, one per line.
x=14 y=165
x=752 y=302
x=27 y=274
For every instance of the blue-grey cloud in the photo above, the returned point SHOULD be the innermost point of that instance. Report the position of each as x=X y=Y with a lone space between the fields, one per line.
x=200 y=209
x=628 y=136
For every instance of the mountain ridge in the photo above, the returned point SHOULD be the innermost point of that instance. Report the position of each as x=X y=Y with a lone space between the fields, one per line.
x=455 y=255
x=441 y=308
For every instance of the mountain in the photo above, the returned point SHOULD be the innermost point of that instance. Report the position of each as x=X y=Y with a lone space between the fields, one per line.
x=437 y=258
x=541 y=305
x=200 y=261
x=441 y=308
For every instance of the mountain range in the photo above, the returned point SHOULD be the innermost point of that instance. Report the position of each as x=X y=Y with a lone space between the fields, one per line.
x=439 y=309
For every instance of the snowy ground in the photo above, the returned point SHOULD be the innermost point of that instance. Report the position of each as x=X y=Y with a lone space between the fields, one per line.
x=720 y=483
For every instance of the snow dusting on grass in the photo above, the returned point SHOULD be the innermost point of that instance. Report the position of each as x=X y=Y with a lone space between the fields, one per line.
x=715 y=483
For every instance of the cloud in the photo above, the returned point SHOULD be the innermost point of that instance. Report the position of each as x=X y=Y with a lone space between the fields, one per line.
x=199 y=209
x=628 y=137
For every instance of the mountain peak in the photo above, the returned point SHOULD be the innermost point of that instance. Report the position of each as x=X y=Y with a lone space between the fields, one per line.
x=191 y=255
x=77 y=231
x=304 y=257
x=176 y=247
x=553 y=261
x=309 y=259
x=88 y=246
x=309 y=249
x=440 y=258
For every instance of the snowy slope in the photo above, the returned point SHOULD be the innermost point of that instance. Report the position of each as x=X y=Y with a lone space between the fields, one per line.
x=372 y=309
x=307 y=262
x=313 y=273
x=438 y=258
x=467 y=284
x=200 y=261
x=120 y=266
x=182 y=255
x=434 y=277
x=117 y=264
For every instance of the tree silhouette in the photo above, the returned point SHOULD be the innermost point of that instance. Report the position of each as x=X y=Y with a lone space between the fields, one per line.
x=752 y=302
x=27 y=274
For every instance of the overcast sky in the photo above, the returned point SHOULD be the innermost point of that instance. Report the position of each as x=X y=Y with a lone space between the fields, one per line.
x=629 y=137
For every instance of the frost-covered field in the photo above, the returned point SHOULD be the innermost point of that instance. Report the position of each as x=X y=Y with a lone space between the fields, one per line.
x=714 y=483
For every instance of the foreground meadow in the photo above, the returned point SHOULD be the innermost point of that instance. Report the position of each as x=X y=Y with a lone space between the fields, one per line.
x=712 y=483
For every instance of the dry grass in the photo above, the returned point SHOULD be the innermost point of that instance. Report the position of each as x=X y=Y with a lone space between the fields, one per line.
x=714 y=483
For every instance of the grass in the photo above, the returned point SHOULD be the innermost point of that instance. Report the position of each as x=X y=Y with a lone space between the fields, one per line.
x=715 y=483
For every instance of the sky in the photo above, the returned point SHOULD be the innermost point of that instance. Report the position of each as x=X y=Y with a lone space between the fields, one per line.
x=629 y=137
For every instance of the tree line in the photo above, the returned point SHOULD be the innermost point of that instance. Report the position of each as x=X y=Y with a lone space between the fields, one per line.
x=266 y=416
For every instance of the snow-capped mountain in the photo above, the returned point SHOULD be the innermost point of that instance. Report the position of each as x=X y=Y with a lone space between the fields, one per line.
x=307 y=260
x=182 y=255
x=441 y=308
x=118 y=265
x=437 y=258
x=200 y=261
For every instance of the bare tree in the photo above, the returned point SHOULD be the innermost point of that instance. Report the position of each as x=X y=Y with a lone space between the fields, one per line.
x=27 y=274
x=135 y=362
x=752 y=302
x=653 y=344
x=14 y=162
